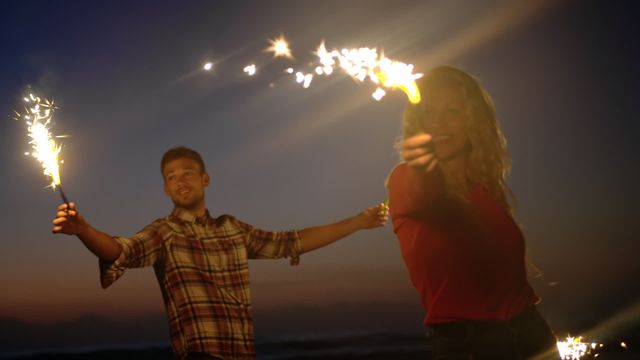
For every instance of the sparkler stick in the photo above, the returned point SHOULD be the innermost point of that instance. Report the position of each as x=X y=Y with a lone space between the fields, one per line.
x=38 y=115
x=63 y=196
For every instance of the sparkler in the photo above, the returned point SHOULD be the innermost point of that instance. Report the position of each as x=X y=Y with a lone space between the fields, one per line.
x=359 y=63
x=38 y=115
x=574 y=349
x=366 y=63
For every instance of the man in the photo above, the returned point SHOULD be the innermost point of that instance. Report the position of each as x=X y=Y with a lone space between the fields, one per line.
x=201 y=262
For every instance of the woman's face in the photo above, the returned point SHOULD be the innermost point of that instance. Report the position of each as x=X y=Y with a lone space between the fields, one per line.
x=443 y=116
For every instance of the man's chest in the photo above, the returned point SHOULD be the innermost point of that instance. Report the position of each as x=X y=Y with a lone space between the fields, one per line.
x=207 y=248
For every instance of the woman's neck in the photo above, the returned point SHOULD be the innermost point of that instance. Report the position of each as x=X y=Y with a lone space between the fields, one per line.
x=455 y=171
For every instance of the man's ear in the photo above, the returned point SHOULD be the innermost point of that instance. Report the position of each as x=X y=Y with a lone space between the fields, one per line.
x=206 y=179
x=165 y=188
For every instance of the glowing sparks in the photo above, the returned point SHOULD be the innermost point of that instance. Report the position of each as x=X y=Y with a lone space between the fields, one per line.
x=574 y=349
x=366 y=63
x=38 y=115
x=208 y=66
x=396 y=74
x=304 y=79
x=360 y=63
x=279 y=47
x=378 y=94
x=250 y=69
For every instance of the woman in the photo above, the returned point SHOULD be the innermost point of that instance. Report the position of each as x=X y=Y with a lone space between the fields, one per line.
x=451 y=212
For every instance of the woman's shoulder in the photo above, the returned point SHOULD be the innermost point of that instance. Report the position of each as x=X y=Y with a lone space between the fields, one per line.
x=398 y=170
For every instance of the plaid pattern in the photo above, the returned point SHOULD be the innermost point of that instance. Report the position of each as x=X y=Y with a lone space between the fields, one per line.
x=202 y=268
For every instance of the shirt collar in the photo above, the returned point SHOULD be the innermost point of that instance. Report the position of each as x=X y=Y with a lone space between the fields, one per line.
x=183 y=214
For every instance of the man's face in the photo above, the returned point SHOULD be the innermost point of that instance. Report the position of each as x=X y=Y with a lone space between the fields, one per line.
x=184 y=183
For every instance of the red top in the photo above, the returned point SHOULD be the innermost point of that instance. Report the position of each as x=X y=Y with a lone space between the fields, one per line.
x=466 y=259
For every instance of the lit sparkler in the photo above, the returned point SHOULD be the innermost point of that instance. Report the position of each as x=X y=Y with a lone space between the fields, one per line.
x=279 y=47
x=359 y=63
x=38 y=115
x=208 y=66
x=366 y=63
x=574 y=349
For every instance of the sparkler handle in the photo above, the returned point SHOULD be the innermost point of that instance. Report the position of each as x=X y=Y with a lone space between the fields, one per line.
x=64 y=197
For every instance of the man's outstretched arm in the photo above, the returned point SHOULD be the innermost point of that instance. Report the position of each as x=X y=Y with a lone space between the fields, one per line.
x=318 y=236
x=70 y=222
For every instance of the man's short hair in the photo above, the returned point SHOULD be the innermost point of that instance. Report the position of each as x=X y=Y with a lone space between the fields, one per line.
x=179 y=153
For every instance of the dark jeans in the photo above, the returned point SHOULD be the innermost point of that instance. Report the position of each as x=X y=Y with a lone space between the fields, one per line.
x=526 y=336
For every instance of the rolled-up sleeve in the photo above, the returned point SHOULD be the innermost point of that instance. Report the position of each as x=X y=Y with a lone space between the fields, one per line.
x=145 y=248
x=262 y=244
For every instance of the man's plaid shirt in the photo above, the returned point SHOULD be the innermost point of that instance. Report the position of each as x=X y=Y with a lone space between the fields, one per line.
x=202 y=268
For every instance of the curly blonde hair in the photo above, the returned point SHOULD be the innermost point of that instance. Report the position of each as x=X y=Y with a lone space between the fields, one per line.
x=488 y=162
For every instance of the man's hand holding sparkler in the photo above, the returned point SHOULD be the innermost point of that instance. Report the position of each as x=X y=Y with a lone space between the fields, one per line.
x=417 y=152
x=69 y=221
